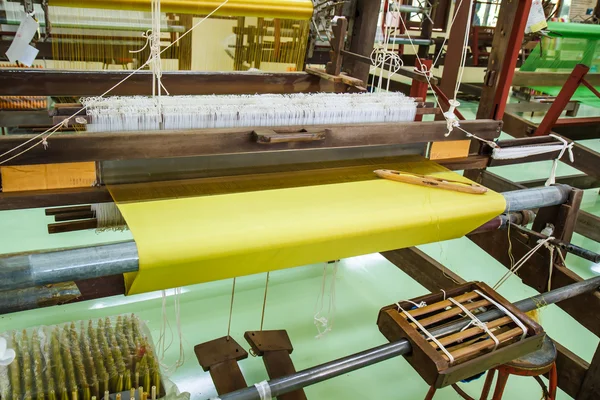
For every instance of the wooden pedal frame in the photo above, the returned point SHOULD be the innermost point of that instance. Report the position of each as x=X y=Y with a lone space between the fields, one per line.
x=275 y=348
x=427 y=361
x=220 y=357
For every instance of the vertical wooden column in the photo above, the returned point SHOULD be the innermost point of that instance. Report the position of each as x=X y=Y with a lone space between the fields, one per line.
x=363 y=37
x=506 y=45
x=590 y=388
x=185 y=44
x=418 y=88
x=452 y=61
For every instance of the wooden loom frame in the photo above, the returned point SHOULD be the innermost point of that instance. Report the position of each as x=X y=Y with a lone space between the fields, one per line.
x=576 y=377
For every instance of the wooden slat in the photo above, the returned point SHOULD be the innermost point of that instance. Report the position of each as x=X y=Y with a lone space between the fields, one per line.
x=63 y=210
x=41 y=82
x=162 y=144
x=588 y=225
x=75 y=215
x=536 y=78
x=53 y=198
x=72 y=226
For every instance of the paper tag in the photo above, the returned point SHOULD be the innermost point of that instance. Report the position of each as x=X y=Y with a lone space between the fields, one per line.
x=537 y=19
x=20 y=50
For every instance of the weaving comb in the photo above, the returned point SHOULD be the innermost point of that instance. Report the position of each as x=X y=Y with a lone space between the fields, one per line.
x=472 y=349
x=430 y=181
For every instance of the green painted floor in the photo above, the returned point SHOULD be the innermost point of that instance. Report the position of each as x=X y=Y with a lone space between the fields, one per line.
x=363 y=285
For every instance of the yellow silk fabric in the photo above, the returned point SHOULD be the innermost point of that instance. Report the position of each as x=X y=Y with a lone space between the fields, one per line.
x=286 y=9
x=187 y=240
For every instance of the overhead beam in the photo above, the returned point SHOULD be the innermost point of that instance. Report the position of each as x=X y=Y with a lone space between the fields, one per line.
x=198 y=142
x=42 y=82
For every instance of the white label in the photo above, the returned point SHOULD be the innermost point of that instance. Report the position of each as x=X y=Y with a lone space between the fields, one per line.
x=20 y=50
x=537 y=19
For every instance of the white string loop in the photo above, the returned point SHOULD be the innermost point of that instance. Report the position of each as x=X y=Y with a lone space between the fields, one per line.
x=476 y=322
x=264 y=390
x=566 y=146
x=516 y=320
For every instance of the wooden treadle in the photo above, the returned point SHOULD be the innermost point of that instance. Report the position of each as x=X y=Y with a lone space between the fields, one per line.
x=220 y=357
x=275 y=348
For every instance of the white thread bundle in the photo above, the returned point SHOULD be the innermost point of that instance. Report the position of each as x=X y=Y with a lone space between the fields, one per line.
x=196 y=112
x=108 y=217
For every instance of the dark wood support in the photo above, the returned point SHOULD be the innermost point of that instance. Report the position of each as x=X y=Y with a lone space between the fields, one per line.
x=40 y=82
x=434 y=276
x=275 y=348
x=588 y=225
x=590 y=389
x=340 y=29
x=502 y=60
x=579 y=181
x=362 y=38
x=423 y=269
x=220 y=357
x=164 y=144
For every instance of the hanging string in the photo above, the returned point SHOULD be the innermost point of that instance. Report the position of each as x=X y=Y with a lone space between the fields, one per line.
x=43 y=137
x=262 y=316
x=323 y=323
x=230 y=310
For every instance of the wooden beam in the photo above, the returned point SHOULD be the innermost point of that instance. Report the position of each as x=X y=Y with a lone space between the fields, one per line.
x=580 y=181
x=590 y=389
x=423 y=269
x=18 y=118
x=535 y=106
x=434 y=276
x=53 y=198
x=362 y=38
x=535 y=78
x=502 y=60
x=578 y=128
x=42 y=82
x=164 y=144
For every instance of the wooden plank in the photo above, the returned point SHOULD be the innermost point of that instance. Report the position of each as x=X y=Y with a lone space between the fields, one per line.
x=53 y=198
x=48 y=176
x=580 y=181
x=537 y=78
x=65 y=210
x=590 y=388
x=164 y=144
x=41 y=82
x=19 y=118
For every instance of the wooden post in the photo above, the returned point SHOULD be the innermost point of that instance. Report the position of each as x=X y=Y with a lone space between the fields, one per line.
x=502 y=62
x=590 y=388
x=419 y=88
x=363 y=37
x=185 y=44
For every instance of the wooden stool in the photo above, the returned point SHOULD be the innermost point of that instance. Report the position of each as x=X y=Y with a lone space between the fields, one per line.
x=534 y=364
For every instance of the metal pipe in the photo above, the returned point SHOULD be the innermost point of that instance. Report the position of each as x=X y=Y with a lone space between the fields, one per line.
x=46 y=267
x=365 y=358
x=19 y=271
x=529 y=199
x=415 y=41
x=412 y=9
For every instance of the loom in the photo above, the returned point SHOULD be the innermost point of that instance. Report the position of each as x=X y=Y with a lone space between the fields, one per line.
x=258 y=187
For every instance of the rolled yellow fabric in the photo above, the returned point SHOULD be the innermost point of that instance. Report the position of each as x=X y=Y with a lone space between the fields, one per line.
x=285 y=9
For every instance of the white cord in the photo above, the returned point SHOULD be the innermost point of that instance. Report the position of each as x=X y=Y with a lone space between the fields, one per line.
x=264 y=390
x=476 y=322
x=516 y=320
x=427 y=333
x=566 y=146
